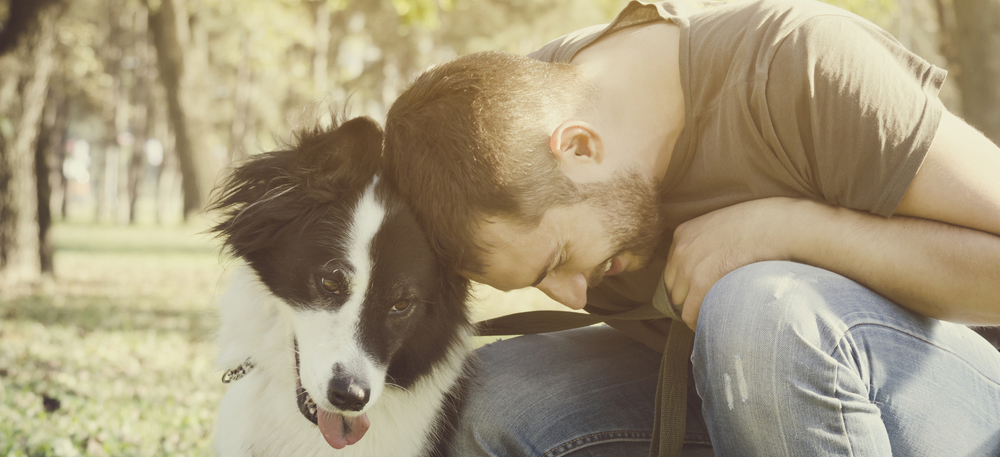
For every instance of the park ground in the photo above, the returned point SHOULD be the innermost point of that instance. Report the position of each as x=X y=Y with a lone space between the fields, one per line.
x=115 y=357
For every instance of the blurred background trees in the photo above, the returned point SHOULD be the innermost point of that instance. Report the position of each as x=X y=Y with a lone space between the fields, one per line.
x=126 y=111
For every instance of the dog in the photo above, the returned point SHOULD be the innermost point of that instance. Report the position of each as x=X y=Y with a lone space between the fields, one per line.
x=341 y=333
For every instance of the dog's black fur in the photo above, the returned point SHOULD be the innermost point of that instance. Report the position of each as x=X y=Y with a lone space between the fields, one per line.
x=287 y=215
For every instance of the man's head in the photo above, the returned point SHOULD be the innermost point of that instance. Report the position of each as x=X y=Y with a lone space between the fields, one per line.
x=488 y=140
x=468 y=138
x=615 y=228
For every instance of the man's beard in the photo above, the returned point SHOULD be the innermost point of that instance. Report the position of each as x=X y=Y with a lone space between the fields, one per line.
x=628 y=206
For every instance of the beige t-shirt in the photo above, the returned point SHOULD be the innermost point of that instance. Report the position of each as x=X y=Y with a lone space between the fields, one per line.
x=790 y=98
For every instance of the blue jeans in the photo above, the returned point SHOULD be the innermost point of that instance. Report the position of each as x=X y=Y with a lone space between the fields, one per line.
x=790 y=360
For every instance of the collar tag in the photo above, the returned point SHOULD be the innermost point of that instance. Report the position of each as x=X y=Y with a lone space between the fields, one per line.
x=236 y=373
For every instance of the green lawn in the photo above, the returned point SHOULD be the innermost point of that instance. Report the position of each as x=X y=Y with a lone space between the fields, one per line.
x=123 y=342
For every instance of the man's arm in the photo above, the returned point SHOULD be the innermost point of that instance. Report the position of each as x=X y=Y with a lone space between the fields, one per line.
x=939 y=256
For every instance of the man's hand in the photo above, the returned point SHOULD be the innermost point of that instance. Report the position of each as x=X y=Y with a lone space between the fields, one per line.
x=707 y=248
x=939 y=255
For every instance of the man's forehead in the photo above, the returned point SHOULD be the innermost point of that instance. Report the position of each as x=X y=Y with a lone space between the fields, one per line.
x=514 y=256
x=497 y=233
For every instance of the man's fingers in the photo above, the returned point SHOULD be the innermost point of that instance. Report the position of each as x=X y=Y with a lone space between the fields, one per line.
x=670 y=271
x=678 y=290
x=676 y=275
x=692 y=308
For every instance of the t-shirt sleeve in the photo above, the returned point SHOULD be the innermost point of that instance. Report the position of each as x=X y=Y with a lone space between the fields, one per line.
x=853 y=110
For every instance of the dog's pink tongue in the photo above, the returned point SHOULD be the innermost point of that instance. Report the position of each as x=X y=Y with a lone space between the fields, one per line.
x=341 y=431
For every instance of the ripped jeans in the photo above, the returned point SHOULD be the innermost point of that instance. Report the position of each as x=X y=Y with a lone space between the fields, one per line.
x=790 y=360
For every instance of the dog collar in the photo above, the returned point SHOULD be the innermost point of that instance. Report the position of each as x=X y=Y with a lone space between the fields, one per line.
x=240 y=371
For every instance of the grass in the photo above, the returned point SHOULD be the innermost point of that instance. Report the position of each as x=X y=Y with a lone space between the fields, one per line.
x=115 y=357
x=121 y=343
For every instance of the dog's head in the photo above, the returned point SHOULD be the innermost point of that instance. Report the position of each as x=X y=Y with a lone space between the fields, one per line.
x=368 y=303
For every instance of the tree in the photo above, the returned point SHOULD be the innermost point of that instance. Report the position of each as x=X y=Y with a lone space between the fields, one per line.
x=144 y=107
x=19 y=252
x=22 y=15
x=970 y=40
x=168 y=24
x=48 y=153
x=114 y=110
x=19 y=233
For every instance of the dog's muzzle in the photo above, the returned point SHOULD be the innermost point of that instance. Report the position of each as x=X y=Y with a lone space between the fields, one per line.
x=345 y=393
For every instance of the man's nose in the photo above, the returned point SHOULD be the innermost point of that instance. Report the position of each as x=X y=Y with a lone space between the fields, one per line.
x=570 y=290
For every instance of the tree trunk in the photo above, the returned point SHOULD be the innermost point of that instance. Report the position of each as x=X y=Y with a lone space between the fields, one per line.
x=971 y=43
x=57 y=155
x=106 y=179
x=50 y=140
x=169 y=30
x=242 y=106
x=164 y=176
x=978 y=45
x=21 y=262
x=144 y=108
x=322 y=49
x=21 y=17
x=10 y=76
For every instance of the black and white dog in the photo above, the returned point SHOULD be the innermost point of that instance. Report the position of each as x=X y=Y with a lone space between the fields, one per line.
x=342 y=334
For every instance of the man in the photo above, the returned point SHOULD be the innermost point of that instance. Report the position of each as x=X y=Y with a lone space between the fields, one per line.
x=782 y=170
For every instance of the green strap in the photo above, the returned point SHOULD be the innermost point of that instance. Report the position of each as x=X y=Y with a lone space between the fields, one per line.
x=532 y=322
x=671 y=393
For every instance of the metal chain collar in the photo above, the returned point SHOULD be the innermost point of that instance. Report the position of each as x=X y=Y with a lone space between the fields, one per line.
x=236 y=373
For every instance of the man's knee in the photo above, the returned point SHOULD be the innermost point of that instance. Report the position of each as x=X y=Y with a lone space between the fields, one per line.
x=766 y=314
x=759 y=325
x=761 y=298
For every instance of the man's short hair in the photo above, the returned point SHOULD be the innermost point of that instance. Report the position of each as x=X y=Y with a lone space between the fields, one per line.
x=469 y=139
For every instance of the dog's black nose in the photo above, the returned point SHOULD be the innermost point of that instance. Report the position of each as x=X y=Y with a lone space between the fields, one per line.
x=347 y=394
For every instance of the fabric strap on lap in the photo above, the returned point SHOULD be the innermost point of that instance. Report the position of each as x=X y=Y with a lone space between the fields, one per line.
x=671 y=391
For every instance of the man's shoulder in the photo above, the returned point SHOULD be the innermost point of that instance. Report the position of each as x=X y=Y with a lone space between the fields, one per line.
x=708 y=18
x=745 y=36
x=563 y=49
x=764 y=18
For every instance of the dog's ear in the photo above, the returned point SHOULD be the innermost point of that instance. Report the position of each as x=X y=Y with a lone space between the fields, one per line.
x=266 y=193
x=251 y=201
x=343 y=158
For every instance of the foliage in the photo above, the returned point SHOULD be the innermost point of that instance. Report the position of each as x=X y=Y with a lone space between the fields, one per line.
x=406 y=35
x=270 y=50
x=880 y=12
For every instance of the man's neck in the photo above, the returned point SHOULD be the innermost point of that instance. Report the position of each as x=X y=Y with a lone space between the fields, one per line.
x=639 y=102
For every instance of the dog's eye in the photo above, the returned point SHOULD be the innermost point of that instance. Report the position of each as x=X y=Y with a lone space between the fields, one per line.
x=334 y=283
x=331 y=286
x=401 y=306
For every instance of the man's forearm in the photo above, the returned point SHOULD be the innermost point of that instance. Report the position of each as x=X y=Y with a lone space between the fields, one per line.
x=939 y=270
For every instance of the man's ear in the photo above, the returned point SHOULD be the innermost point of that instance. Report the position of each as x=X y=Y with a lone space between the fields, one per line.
x=577 y=145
